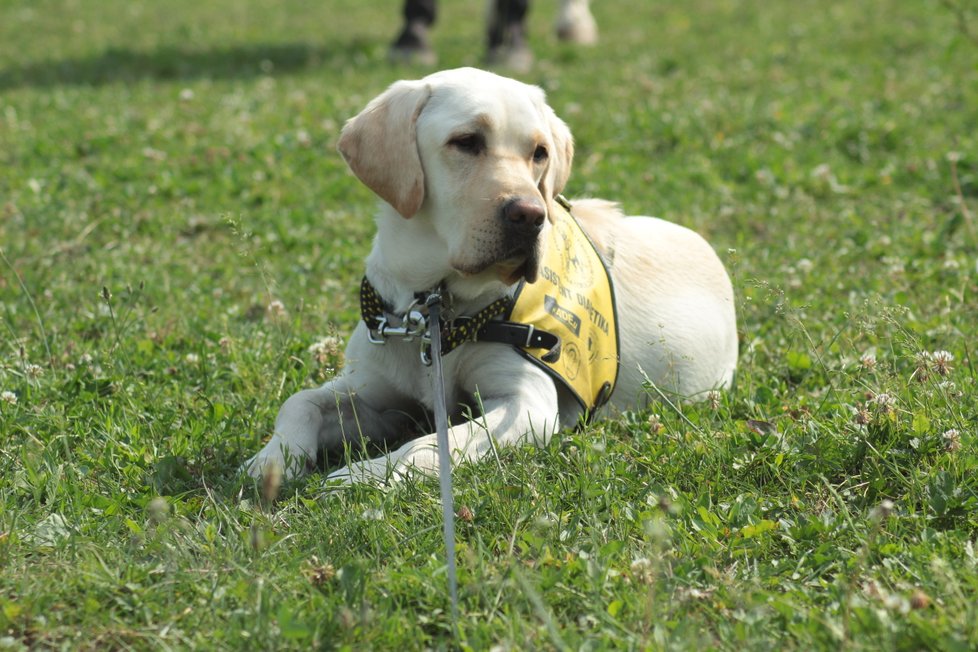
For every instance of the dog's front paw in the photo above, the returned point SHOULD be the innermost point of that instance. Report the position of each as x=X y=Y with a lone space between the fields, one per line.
x=276 y=461
x=261 y=465
x=418 y=456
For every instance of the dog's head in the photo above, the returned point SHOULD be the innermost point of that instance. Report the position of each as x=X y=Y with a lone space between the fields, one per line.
x=479 y=155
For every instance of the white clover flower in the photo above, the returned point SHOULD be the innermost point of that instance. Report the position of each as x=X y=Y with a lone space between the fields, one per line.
x=883 y=403
x=33 y=370
x=952 y=440
x=882 y=511
x=276 y=309
x=883 y=399
x=822 y=172
x=8 y=397
x=868 y=361
x=641 y=565
x=941 y=362
x=192 y=358
x=655 y=424
x=643 y=570
x=764 y=176
x=546 y=520
x=154 y=154
x=872 y=589
x=805 y=265
x=372 y=515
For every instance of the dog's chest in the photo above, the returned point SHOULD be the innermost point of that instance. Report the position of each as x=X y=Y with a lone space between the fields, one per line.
x=401 y=364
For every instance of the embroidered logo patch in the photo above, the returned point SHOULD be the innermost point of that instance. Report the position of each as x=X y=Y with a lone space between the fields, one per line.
x=563 y=315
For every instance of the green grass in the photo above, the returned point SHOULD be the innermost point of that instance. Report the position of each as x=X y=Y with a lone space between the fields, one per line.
x=168 y=172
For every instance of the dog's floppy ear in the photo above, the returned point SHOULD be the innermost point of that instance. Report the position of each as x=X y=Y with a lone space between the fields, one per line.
x=561 y=158
x=380 y=146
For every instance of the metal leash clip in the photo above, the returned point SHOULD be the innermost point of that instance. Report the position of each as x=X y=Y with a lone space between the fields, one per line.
x=413 y=324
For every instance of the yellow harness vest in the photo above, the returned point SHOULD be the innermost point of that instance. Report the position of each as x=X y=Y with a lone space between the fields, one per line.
x=573 y=298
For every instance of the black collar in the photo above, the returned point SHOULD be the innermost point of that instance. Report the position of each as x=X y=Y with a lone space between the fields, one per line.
x=482 y=326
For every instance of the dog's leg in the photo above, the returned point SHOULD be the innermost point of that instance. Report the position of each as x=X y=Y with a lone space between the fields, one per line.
x=507 y=34
x=324 y=418
x=524 y=409
x=575 y=22
x=412 y=43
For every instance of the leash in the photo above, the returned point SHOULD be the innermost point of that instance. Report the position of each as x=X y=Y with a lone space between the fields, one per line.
x=423 y=321
x=433 y=303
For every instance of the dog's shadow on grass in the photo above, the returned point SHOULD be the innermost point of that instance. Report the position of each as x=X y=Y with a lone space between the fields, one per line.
x=171 y=63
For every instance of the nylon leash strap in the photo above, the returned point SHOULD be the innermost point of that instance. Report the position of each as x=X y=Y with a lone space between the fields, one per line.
x=433 y=302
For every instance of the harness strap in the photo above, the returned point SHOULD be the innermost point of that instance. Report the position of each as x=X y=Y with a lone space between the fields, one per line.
x=524 y=336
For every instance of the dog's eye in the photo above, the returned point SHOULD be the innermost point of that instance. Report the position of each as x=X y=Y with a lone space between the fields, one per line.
x=469 y=143
x=540 y=154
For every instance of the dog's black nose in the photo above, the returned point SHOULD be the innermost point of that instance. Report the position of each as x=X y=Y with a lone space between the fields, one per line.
x=525 y=216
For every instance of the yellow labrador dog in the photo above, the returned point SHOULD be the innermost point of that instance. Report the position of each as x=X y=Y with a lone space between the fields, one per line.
x=468 y=166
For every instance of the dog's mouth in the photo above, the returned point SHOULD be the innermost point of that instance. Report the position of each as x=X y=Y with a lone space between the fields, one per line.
x=512 y=269
x=510 y=272
x=519 y=263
